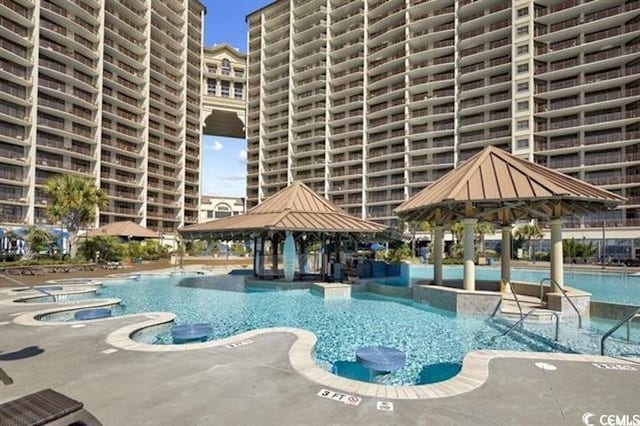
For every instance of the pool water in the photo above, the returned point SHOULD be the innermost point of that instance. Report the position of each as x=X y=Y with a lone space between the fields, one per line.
x=435 y=341
x=604 y=287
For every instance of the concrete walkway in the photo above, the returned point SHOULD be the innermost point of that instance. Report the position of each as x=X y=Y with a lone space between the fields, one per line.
x=256 y=385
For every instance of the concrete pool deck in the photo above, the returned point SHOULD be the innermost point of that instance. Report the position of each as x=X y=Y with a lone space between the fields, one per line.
x=256 y=383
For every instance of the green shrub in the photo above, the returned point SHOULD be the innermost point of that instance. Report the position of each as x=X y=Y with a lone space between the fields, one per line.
x=490 y=253
x=452 y=261
x=110 y=248
x=194 y=247
x=153 y=250
x=398 y=254
x=238 y=248
x=542 y=256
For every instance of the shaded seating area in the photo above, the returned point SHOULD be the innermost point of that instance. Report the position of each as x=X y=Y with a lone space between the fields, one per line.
x=288 y=225
x=125 y=230
x=498 y=187
x=46 y=407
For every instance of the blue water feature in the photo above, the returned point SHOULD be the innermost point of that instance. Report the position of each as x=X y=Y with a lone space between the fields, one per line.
x=604 y=287
x=428 y=336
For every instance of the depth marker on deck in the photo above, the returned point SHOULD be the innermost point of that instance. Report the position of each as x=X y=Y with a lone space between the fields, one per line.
x=109 y=351
x=340 y=397
x=384 y=406
x=239 y=344
x=546 y=366
x=605 y=366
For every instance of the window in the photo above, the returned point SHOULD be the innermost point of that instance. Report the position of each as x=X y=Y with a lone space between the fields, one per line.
x=237 y=90
x=213 y=68
x=226 y=67
x=523 y=68
x=522 y=31
x=523 y=87
x=211 y=86
x=210 y=214
x=522 y=143
x=523 y=50
x=220 y=214
x=238 y=72
x=523 y=11
x=224 y=88
x=523 y=106
x=523 y=124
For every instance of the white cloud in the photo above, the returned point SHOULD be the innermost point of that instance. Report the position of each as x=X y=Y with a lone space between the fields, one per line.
x=243 y=155
x=215 y=146
x=232 y=177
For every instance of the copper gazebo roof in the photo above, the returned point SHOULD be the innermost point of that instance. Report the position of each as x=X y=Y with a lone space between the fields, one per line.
x=295 y=208
x=123 y=229
x=495 y=185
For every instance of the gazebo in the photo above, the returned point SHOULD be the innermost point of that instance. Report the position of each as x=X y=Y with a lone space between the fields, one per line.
x=295 y=212
x=126 y=229
x=496 y=186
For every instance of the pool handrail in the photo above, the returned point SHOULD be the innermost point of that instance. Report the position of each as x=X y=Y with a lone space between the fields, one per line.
x=521 y=320
x=515 y=296
x=13 y=280
x=564 y=293
x=635 y=313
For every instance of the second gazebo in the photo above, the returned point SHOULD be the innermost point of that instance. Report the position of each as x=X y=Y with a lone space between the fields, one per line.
x=297 y=213
x=498 y=187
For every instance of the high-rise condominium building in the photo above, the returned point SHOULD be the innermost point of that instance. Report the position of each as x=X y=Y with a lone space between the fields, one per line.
x=368 y=101
x=108 y=89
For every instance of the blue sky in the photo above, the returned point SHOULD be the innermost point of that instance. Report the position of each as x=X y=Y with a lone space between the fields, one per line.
x=224 y=159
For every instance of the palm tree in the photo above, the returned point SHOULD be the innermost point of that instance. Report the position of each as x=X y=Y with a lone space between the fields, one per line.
x=527 y=232
x=74 y=203
x=480 y=230
x=37 y=239
x=413 y=227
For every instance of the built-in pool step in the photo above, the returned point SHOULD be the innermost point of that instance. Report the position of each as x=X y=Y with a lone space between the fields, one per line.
x=332 y=290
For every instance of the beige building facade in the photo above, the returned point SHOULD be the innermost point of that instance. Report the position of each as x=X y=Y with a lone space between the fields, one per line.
x=224 y=99
x=215 y=207
x=106 y=89
x=368 y=101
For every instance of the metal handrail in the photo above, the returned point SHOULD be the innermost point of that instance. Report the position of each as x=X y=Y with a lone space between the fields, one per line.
x=520 y=321
x=564 y=293
x=635 y=313
x=515 y=296
x=13 y=280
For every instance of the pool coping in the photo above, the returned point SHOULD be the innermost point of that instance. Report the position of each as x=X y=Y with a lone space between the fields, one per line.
x=473 y=374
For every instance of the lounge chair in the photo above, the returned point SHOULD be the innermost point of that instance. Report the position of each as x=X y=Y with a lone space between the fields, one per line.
x=46 y=407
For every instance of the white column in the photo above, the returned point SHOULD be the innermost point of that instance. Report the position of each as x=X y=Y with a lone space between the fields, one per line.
x=469 y=280
x=505 y=262
x=438 y=233
x=557 y=267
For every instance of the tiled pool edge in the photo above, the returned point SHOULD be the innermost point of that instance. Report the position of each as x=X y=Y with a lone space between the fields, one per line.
x=474 y=372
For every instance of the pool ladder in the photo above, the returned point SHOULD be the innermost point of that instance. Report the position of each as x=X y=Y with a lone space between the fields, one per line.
x=563 y=292
x=635 y=313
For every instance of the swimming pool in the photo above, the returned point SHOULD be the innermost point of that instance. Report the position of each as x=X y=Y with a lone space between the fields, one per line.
x=430 y=337
x=604 y=287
